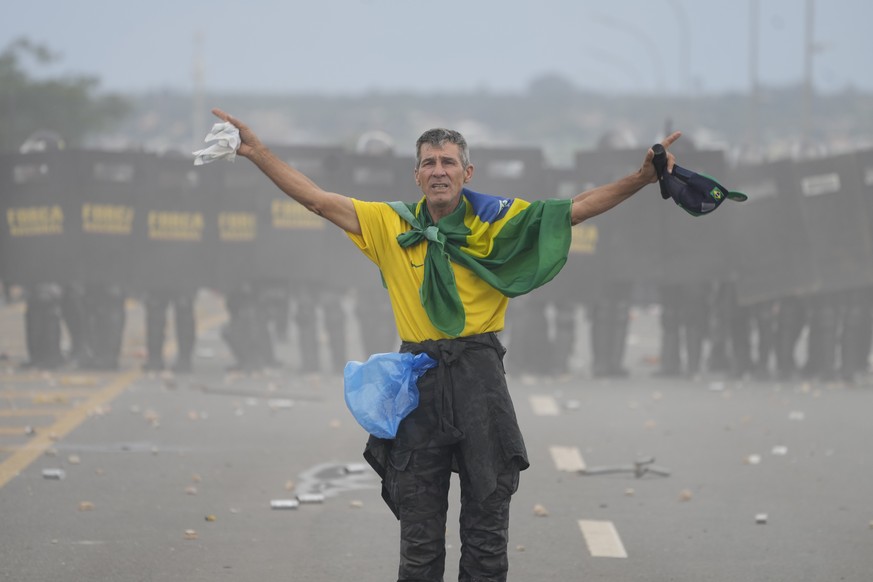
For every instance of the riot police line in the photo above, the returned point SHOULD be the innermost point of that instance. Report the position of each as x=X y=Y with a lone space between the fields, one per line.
x=738 y=290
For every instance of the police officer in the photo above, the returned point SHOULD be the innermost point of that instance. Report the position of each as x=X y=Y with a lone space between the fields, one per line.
x=157 y=302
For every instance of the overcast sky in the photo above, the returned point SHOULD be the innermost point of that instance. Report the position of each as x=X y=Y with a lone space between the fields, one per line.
x=354 y=46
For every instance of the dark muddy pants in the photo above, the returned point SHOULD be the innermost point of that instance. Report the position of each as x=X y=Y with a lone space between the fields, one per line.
x=421 y=493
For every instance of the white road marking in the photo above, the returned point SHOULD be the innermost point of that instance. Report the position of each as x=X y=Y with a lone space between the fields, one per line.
x=602 y=539
x=544 y=405
x=567 y=459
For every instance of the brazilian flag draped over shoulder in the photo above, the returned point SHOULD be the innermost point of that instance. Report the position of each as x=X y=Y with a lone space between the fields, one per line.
x=513 y=245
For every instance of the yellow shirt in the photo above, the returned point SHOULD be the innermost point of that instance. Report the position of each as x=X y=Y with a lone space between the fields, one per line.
x=403 y=271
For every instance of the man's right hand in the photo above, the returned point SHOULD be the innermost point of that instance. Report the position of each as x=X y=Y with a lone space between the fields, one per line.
x=249 y=141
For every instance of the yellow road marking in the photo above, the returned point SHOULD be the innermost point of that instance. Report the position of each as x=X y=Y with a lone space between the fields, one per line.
x=26 y=412
x=45 y=395
x=19 y=460
x=25 y=377
x=13 y=430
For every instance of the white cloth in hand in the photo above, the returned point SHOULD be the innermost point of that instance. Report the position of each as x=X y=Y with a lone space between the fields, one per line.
x=227 y=142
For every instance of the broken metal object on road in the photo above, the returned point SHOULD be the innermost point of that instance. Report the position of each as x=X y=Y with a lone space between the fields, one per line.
x=640 y=467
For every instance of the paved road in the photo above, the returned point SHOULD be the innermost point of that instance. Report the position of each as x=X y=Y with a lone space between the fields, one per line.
x=171 y=479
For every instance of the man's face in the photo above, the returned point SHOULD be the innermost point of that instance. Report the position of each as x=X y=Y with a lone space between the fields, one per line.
x=441 y=176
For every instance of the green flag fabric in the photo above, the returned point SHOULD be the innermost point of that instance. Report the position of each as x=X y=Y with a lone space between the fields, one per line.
x=513 y=245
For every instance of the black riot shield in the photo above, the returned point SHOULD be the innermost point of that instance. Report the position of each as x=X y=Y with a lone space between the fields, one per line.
x=696 y=249
x=773 y=249
x=834 y=212
x=629 y=234
x=373 y=178
x=865 y=169
x=581 y=277
x=106 y=187
x=40 y=201
x=234 y=223
x=170 y=225
x=291 y=239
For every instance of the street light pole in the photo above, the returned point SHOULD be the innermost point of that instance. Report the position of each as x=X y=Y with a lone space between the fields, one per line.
x=754 y=83
x=809 y=49
x=684 y=42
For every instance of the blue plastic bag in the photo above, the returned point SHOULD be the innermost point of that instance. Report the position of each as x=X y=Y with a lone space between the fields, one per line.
x=382 y=391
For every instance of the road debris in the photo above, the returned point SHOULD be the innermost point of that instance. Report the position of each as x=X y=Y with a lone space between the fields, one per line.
x=191 y=534
x=56 y=474
x=686 y=495
x=310 y=498
x=284 y=504
x=761 y=518
x=280 y=403
x=540 y=511
x=86 y=506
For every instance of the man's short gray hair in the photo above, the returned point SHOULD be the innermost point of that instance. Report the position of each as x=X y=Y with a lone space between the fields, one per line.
x=438 y=137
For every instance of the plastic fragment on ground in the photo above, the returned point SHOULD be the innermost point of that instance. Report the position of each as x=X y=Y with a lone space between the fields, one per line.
x=761 y=518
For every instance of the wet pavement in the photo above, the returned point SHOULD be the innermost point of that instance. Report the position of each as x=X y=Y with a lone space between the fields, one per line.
x=130 y=476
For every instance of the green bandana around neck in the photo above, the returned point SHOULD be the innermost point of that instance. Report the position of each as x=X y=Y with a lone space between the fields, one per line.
x=527 y=251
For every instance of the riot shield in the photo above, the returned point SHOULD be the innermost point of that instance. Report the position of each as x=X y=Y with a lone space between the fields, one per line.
x=105 y=189
x=368 y=177
x=629 y=234
x=233 y=224
x=773 y=249
x=835 y=218
x=581 y=277
x=290 y=242
x=697 y=248
x=38 y=238
x=170 y=225
x=865 y=169
x=372 y=178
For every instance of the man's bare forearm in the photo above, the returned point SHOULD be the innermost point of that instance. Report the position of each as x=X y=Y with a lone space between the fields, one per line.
x=289 y=180
x=334 y=207
x=598 y=200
